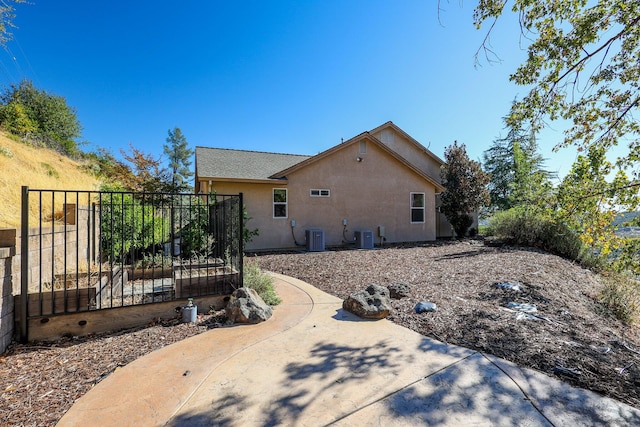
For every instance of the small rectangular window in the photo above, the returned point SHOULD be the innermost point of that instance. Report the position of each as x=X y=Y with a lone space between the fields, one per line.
x=387 y=136
x=279 y=202
x=417 y=207
x=363 y=147
x=319 y=193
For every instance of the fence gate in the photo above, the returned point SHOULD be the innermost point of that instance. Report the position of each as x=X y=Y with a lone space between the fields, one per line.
x=84 y=251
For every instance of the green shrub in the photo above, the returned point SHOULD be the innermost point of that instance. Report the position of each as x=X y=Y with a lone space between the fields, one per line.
x=6 y=152
x=620 y=296
x=260 y=282
x=50 y=170
x=525 y=228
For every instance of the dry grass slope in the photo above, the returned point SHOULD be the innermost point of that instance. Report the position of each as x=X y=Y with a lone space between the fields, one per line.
x=37 y=167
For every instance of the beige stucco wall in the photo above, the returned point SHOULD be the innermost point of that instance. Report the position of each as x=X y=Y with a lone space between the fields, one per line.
x=257 y=197
x=410 y=152
x=371 y=193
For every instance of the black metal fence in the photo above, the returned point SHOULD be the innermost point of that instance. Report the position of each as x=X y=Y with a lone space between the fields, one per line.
x=89 y=250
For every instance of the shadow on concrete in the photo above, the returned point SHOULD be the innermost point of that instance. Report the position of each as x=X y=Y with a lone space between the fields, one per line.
x=221 y=413
x=471 y=392
x=344 y=315
x=328 y=366
x=306 y=382
x=567 y=405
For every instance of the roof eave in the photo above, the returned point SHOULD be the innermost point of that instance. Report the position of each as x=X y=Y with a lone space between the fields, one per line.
x=246 y=180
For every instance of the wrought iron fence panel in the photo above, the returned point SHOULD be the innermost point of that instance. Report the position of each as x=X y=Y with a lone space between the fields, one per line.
x=91 y=250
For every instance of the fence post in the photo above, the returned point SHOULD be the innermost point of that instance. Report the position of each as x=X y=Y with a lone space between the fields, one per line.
x=241 y=242
x=24 y=266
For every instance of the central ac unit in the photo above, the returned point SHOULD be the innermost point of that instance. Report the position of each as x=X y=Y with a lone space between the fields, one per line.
x=315 y=240
x=364 y=239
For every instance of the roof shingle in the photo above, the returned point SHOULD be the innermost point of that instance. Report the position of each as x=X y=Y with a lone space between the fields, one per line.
x=240 y=164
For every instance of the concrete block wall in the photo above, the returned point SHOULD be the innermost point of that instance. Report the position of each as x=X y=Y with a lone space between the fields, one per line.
x=6 y=295
x=48 y=249
x=59 y=249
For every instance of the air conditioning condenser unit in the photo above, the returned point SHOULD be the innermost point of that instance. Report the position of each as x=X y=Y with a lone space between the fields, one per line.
x=364 y=239
x=315 y=240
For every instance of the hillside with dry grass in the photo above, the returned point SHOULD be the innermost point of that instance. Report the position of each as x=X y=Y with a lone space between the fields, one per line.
x=36 y=167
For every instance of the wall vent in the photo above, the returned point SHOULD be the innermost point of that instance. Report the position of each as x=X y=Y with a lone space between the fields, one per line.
x=315 y=240
x=364 y=239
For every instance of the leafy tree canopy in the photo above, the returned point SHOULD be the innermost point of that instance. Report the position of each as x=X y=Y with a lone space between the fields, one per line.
x=466 y=188
x=147 y=174
x=583 y=66
x=40 y=116
x=517 y=171
x=583 y=70
x=7 y=13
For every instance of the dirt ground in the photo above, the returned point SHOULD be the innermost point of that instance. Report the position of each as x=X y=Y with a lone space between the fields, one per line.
x=570 y=336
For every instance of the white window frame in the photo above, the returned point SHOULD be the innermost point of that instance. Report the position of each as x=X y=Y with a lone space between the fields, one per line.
x=412 y=207
x=285 y=203
x=320 y=192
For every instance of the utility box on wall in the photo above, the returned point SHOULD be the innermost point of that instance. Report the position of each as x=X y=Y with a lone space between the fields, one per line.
x=315 y=240
x=364 y=239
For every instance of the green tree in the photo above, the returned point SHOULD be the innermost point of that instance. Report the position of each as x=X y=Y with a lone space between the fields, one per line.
x=129 y=225
x=56 y=123
x=179 y=156
x=582 y=72
x=517 y=171
x=6 y=19
x=465 y=188
x=16 y=120
x=146 y=174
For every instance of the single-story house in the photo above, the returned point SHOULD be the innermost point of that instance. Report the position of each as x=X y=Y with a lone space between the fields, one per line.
x=377 y=187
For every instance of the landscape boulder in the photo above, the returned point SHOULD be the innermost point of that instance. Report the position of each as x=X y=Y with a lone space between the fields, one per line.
x=372 y=303
x=399 y=290
x=246 y=306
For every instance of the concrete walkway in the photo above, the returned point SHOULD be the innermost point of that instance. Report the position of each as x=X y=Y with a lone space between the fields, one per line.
x=312 y=364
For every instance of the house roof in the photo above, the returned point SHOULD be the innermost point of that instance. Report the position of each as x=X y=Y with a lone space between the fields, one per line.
x=222 y=163
x=409 y=138
x=238 y=165
x=363 y=136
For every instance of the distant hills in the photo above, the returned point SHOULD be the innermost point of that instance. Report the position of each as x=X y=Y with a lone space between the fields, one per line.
x=630 y=231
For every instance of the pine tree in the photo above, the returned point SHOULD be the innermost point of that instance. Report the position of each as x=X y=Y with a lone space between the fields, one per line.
x=179 y=156
x=517 y=171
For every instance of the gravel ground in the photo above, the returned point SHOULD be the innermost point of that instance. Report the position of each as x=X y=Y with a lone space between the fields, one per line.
x=572 y=338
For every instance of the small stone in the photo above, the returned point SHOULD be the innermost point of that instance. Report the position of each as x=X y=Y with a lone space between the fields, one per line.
x=425 y=307
x=509 y=286
x=521 y=315
x=524 y=307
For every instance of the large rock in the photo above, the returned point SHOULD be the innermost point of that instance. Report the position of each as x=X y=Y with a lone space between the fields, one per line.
x=399 y=290
x=372 y=303
x=246 y=306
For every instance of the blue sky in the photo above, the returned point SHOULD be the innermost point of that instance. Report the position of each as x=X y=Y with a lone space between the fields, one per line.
x=280 y=76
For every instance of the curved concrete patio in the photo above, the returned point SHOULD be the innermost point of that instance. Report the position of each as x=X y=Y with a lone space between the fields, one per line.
x=313 y=364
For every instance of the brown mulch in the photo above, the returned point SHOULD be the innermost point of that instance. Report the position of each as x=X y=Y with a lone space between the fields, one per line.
x=40 y=381
x=573 y=340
